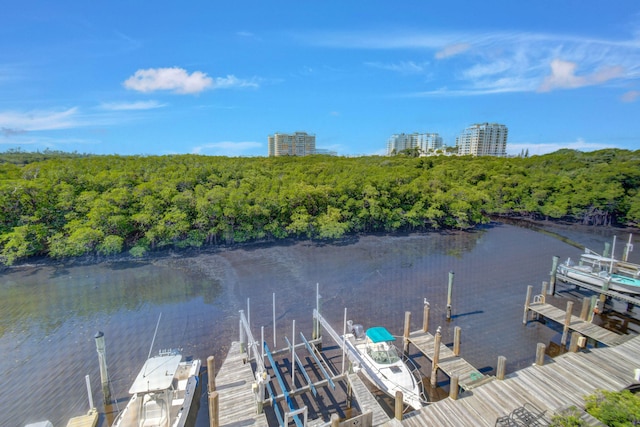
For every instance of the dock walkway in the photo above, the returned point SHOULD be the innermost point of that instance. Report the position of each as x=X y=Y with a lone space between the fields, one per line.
x=552 y=387
x=468 y=376
x=237 y=401
x=587 y=329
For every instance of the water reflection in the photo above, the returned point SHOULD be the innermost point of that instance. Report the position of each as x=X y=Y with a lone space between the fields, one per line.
x=50 y=314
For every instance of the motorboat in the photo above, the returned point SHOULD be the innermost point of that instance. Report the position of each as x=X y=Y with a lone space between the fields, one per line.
x=374 y=353
x=592 y=275
x=162 y=393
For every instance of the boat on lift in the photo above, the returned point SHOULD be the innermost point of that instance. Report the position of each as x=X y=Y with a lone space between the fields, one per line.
x=604 y=279
x=162 y=393
x=374 y=353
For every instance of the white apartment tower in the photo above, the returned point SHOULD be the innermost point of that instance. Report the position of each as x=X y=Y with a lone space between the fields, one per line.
x=483 y=139
x=424 y=141
x=297 y=144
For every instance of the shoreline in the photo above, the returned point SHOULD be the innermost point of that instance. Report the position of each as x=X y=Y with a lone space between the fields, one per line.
x=552 y=228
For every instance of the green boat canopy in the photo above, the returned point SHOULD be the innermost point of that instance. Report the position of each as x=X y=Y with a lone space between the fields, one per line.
x=379 y=334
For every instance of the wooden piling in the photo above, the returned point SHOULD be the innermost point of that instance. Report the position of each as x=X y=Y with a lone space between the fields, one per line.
x=525 y=316
x=552 y=282
x=425 y=317
x=501 y=368
x=214 y=409
x=545 y=286
x=335 y=420
x=575 y=339
x=456 y=340
x=567 y=323
x=540 y=349
x=449 y=294
x=211 y=374
x=584 y=312
x=102 y=359
x=436 y=358
x=407 y=331
x=453 y=387
x=399 y=406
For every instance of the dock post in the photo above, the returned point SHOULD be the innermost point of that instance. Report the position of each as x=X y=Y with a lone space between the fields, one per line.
x=526 y=305
x=214 y=409
x=584 y=312
x=274 y=320
x=243 y=335
x=501 y=368
x=436 y=358
x=449 y=293
x=335 y=420
x=573 y=344
x=567 y=322
x=545 y=286
x=211 y=374
x=317 y=332
x=399 y=405
x=456 y=340
x=453 y=387
x=592 y=307
x=540 y=349
x=554 y=269
x=88 y=382
x=425 y=317
x=407 y=328
x=102 y=359
x=607 y=248
x=349 y=394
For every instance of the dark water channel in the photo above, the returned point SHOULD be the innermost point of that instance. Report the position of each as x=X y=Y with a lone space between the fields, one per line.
x=50 y=314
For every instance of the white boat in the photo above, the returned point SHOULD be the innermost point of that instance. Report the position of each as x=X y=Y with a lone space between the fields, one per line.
x=375 y=354
x=592 y=275
x=162 y=393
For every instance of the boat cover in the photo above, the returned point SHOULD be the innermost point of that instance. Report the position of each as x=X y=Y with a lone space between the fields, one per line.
x=379 y=334
x=156 y=374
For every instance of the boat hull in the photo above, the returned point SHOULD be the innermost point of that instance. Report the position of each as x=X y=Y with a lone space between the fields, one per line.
x=388 y=378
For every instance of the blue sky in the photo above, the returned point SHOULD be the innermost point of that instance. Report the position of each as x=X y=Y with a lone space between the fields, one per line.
x=212 y=78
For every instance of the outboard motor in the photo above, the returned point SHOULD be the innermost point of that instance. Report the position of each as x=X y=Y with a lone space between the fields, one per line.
x=358 y=331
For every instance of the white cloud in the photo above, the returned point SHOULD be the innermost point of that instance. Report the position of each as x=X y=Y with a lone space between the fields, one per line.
x=502 y=62
x=228 y=148
x=232 y=81
x=178 y=80
x=174 y=79
x=452 y=50
x=563 y=76
x=404 y=67
x=138 y=105
x=38 y=120
x=630 y=96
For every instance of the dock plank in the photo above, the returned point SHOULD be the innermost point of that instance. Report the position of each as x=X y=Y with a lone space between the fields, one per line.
x=449 y=363
x=237 y=401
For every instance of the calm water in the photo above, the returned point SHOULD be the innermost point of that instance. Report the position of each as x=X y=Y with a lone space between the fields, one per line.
x=49 y=315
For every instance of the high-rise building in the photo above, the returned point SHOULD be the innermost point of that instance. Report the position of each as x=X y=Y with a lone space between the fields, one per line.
x=424 y=141
x=297 y=144
x=483 y=139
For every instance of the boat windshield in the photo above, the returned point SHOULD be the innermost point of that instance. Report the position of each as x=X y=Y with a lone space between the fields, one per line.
x=384 y=353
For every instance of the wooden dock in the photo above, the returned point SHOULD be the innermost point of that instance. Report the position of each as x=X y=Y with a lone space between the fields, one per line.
x=468 y=376
x=585 y=328
x=367 y=401
x=237 y=400
x=88 y=420
x=551 y=388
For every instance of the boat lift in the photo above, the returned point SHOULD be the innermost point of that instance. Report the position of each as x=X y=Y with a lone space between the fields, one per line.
x=256 y=353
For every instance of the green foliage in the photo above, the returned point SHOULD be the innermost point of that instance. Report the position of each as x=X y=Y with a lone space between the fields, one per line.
x=69 y=205
x=568 y=418
x=617 y=409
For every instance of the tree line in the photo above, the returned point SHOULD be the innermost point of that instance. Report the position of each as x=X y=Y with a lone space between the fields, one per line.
x=71 y=205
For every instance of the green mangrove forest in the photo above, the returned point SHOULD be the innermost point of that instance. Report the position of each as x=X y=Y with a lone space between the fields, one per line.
x=67 y=205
